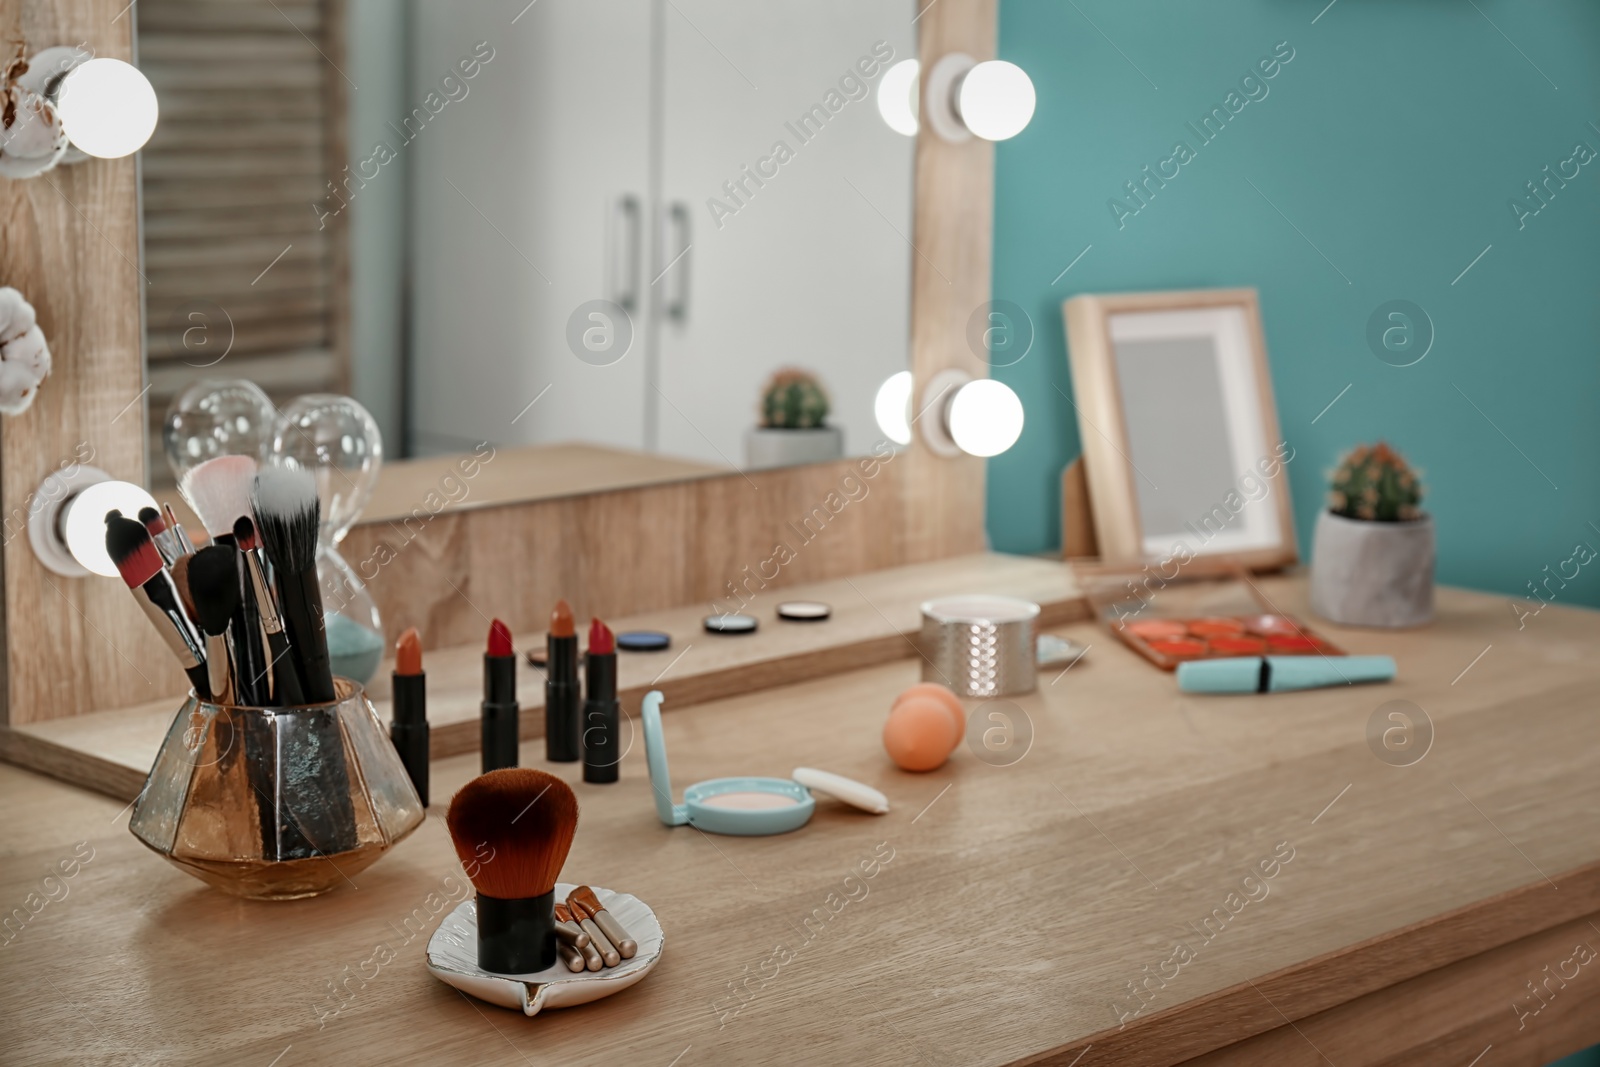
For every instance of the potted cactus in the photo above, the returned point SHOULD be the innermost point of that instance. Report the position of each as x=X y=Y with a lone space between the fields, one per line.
x=793 y=430
x=1372 y=560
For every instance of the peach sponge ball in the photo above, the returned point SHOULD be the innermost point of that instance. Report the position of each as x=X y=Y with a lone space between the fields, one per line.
x=925 y=725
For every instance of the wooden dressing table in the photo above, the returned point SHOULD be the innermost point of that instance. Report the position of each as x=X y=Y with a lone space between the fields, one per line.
x=1407 y=910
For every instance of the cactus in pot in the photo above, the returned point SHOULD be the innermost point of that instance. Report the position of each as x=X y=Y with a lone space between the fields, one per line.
x=1372 y=561
x=793 y=400
x=793 y=427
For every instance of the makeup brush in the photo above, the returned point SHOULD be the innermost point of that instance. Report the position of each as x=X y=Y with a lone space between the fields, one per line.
x=165 y=543
x=287 y=514
x=597 y=938
x=285 y=687
x=210 y=583
x=528 y=818
x=587 y=902
x=174 y=527
x=134 y=554
x=219 y=491
x=591 y=955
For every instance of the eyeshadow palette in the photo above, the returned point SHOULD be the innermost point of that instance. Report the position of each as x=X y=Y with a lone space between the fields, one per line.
x=1169 y=642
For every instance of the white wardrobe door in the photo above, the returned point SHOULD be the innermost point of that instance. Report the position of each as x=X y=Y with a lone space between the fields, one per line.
x=814 y=268
x=517 y=188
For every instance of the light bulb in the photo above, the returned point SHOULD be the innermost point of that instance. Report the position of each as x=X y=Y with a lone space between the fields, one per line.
x=985 y=417
x=897 y=97
x=892 y=407
x=84 y=526
x=108 y=108
x=996 y=100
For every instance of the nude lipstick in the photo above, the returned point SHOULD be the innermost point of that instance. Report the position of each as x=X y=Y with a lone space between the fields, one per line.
x=602 y=714
x=409 y=730
x=500 y=713
x=561 y=692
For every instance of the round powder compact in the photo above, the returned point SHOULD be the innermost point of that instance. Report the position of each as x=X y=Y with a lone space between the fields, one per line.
x=747 y=800
x=804 y=610
x=731 y=624
x=643 y=641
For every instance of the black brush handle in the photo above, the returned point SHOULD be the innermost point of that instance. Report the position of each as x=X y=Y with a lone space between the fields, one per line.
x=300 y=603
x=517 y=936
x=251 y=686
x=285 y=681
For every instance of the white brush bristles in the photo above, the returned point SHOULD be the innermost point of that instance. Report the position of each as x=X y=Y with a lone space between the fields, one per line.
x=219 y=491
x=287 y=513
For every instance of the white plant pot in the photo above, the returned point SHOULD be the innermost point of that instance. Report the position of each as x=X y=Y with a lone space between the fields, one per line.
x=765 y=448
x=1372 y=573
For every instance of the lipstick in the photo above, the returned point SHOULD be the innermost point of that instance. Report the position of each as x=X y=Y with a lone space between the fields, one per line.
x=409 y=730
x=602 y=714
x=561 y=693
x=499 y=700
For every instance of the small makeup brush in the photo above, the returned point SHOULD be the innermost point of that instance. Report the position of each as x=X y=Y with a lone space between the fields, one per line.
x=174 y=527
x=287 y=514
x=597 y=938
x=134 y=554
x=591 y=955
x=285 y=689
x=219 y=491
x=586 y=902
x=209 y=578
x=527 y=817
x=165 y=543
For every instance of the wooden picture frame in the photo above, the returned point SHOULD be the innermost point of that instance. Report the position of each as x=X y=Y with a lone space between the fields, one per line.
x=1138 y=433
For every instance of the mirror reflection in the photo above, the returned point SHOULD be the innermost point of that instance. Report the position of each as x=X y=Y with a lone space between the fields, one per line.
x=649 y=238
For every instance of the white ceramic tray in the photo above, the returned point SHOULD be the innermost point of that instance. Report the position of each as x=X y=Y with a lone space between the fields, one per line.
x=453 y=958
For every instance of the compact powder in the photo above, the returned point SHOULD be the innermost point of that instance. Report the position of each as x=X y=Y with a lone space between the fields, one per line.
x=750 y=801
x=731 y=624
x=643 y=640
x=804 y=610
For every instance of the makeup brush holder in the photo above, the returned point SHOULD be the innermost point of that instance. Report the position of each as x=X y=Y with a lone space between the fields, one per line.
x=276 y=803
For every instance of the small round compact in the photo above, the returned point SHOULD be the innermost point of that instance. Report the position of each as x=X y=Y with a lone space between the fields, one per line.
x=643 y=640
x=804 y=611
x=744 y=807
x=731 y=624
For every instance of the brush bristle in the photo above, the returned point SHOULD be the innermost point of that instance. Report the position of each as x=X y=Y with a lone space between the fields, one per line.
x=526 y=818
x=219 y=491
x=213 y=575
x=287 y=515
x=130 y=548
x=244 y=533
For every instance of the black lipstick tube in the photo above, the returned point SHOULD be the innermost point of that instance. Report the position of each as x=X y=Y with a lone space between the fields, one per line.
x=602 y=720
x=562 y=698
x=409 y=729
x=517 y=936
x=500 y=712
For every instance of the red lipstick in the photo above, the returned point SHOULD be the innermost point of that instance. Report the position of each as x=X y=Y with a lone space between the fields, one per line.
x=500 y=712
x=562 y=695
x=602 y=714
x=409 y=729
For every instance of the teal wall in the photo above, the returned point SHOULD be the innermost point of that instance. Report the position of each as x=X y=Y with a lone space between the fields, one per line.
x=1393 y=140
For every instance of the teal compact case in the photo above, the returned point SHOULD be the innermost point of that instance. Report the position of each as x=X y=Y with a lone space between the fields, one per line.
x=745 y=807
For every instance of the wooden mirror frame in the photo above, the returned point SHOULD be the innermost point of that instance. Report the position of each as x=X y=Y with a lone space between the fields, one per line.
x=72 y=646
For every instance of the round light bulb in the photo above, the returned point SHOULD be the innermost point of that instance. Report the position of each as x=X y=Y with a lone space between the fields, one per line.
x=84 y=527
x=107 y=108
x=892 y=407
x=996 y=100
x=897 y=96
x=985 y=417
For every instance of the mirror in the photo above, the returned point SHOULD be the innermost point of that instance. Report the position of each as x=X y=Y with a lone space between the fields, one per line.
x=592 y=230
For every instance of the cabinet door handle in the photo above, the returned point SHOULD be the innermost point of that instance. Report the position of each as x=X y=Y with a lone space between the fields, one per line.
x=625 y=264
x=678 y=265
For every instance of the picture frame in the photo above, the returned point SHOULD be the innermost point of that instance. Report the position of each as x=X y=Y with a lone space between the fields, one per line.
x=1183 y=458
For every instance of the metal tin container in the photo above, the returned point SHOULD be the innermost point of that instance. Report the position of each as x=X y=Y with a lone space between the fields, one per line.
x=980 y=646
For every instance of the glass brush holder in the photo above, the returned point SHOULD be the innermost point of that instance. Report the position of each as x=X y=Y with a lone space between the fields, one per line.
x=276 y=803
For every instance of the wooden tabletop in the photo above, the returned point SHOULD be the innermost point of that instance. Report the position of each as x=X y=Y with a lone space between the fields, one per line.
x=1012 y=904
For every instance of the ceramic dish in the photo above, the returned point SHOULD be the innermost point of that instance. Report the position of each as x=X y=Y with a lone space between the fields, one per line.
x=453 y=959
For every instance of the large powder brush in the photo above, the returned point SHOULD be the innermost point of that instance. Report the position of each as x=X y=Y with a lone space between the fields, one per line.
x=512 y=829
